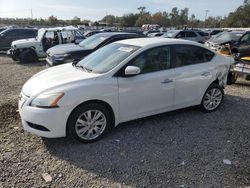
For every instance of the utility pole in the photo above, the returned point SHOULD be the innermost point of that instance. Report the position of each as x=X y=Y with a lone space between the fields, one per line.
x=206 y=13
x=31 y=13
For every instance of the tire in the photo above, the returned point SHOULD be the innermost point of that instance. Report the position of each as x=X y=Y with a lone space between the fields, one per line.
x=212 y=98
x=248 y=77
x=231 y=78
x=14 y=58
x=83 y=128
x=28 y=56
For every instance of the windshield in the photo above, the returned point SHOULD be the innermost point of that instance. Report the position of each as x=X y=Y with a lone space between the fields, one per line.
x=170 y=34
x=229 y=36
x=40 y=34
x=106 y=58
x=93 y=41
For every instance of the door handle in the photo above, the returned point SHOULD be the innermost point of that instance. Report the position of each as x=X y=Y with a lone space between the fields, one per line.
x=205 y=74
x=166 y=81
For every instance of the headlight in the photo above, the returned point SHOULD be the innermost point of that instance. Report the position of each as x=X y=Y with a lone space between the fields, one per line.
x=60 y=57
x=47 y=100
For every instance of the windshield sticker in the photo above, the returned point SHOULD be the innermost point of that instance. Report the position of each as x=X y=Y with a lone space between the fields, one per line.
x=125 y=49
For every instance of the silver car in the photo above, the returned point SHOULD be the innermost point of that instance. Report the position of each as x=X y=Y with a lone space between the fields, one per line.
x=193 y=35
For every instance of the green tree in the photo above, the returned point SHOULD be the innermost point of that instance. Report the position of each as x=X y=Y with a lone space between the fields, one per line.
x=76 y=21
x=52 y=20
x=109 y=19
x=129 y=20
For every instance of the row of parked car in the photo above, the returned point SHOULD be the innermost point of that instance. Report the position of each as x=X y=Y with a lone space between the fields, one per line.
x=68 y=44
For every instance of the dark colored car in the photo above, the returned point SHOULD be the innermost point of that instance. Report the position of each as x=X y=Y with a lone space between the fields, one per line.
x=74 y=52
x=193 y=35
x=2 y=29
x=215 y=32
x=242 y=46
x=90 y=33
x=227 y=37
x=9 y=35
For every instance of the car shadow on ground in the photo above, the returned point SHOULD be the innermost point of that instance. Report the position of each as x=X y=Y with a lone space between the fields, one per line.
x=3 y=54
x=167 y=149
x=39 y=63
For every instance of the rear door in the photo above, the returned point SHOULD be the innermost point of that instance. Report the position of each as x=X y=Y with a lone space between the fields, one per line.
x=193 y=73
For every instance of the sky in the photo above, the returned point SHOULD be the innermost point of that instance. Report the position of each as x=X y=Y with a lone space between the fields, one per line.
x=96 y=9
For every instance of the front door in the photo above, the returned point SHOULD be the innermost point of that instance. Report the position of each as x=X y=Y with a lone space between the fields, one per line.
x=244 y=47
x=150 y=92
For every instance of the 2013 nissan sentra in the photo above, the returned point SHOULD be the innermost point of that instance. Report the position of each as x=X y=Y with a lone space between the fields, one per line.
x=122 y=81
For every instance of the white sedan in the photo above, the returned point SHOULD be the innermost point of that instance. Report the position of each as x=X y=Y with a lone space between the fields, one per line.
x=123 y=81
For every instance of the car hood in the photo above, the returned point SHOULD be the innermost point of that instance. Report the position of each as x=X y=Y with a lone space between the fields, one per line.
x=218 y=42
x=64 y=49
x=55 y=77
x=25 y=41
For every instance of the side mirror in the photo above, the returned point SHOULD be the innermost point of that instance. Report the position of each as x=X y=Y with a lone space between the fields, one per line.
x=132 y=71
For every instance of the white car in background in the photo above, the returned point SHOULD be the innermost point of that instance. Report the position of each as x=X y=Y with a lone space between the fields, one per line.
x=122 y=81
x=30 y=50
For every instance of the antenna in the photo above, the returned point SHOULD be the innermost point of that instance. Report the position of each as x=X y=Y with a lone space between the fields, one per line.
x=206 y=13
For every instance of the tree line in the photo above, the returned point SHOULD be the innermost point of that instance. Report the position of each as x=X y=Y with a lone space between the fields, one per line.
x=176 y=18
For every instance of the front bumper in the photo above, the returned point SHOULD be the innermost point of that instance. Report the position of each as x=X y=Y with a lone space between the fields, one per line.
x=53 y=62
x=52 y=119
x=11 y=52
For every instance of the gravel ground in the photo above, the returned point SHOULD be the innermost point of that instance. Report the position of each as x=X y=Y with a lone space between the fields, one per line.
x=184 y=148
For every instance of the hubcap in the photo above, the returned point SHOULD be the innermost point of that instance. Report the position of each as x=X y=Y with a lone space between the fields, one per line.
x=90 y=124
x=212 y=99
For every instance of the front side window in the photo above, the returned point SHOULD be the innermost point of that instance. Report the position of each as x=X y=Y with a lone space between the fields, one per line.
x=181 y=35
x=11 y=33
x=246 y=39
x=156 y=59
x=170 y=34
x=189 y=55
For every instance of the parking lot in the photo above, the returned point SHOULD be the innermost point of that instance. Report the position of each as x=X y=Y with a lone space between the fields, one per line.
x=184 y=148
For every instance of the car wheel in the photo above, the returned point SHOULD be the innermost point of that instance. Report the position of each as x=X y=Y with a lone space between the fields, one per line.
x=248 y=77
x=28 y=56
x=14 y=58
x=212 y=98
x=89 y=122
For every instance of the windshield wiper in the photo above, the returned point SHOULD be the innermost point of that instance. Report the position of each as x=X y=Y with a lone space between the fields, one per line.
x=82 y=67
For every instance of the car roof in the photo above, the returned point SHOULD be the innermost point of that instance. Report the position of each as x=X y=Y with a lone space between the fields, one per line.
x=110 y=34
x=143 y=42
x=68 y=28
x=20 y=29
x=237 y=31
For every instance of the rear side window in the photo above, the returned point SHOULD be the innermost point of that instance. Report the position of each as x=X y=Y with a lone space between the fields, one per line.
x=189 y=55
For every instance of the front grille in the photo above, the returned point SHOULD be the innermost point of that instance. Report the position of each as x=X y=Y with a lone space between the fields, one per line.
x=38 y=127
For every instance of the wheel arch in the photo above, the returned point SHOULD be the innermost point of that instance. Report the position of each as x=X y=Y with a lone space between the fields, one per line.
x=97 y=101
